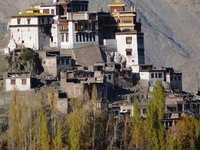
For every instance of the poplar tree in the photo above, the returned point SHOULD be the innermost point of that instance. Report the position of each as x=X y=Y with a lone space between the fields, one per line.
x=15 y=132
x=75 y=123
x=154 y=127
x=57 y=142
x=44 y=132
x=137 y=135
x=185 y=135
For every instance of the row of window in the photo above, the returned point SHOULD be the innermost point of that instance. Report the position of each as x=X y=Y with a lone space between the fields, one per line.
x=47 y=11
x=83 y=37
x=160 y=75
x=13 y=81
x=64 y=37
x=78 y=8
x=41 y=21
x=19 y=20
x=156 y=75
x=175 y=78
x=63 y=61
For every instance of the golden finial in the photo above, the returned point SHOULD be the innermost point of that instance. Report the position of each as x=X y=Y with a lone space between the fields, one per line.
x=117 y=1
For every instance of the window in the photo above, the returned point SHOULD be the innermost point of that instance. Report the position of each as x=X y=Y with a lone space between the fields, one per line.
x=12 y=81
x=94 y=36
x=28 y=20
x=62 y=61
x=109 y=77
x=179 y=78
x=187 y=106
x=144 y=111
x=83 y=37
x=62 y=36
x=80 y=37
x=66 y=37
x=52 y=11
x=152 y=75
x=48 y=20
x=129 y=52
x=18 y=20
x=24 y=81
x=171 y=78
x=76 y=37
x=175 y=78
x=87 y=35
x=128 y=40
x=46 y=11
x=18 y=30
x=156 y=75
x=160 y=75
x=90 y=36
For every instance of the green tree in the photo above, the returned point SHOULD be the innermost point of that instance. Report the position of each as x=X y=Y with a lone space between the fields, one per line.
x=44 y=132
x=154 y=127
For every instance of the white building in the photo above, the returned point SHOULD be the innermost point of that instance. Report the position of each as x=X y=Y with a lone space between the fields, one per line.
x=131 y=46
x=73 y=26
x=31 y=29
x=17 y=81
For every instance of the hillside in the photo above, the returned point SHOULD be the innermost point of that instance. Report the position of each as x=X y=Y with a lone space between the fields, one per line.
x=171 y=27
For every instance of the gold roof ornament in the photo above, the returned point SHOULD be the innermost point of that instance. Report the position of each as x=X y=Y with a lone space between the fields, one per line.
x=117 y=3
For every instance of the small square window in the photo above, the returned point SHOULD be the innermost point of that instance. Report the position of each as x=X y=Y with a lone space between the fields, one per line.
x=23 y=81
x=129 y=52
x=13 y=82
x=144 y=111
x=128 y=40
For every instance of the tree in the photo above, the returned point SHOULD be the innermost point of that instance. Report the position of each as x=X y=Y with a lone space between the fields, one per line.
x=75 y=123
x=94 y=94
x=185 y=135
x=154 y=127
x=57 y=142
x=15 y=132
x=44 y=132
x=137 y=129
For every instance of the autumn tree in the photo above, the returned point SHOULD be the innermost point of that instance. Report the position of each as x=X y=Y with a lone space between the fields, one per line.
x=185 y=135
x=44 y=132
x=15 y=132
x=57 y=142
x=154 y=127
x=75 y=122
x=137 y=129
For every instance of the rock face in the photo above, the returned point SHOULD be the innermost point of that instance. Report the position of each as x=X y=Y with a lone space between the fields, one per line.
x=171 y=27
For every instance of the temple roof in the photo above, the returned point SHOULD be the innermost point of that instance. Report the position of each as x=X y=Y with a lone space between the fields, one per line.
x=31 y=12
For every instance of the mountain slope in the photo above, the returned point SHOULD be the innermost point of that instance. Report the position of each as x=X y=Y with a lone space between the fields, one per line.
x=171 y=27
